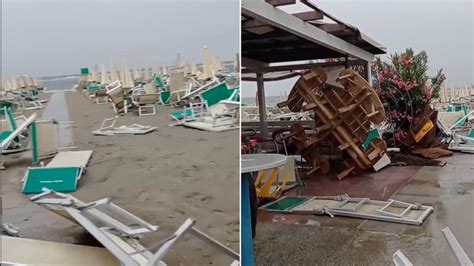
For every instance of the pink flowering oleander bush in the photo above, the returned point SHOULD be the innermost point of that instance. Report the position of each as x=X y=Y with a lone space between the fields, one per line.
x=405 y=88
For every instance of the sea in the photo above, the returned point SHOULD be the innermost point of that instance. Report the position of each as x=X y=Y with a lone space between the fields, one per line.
x=67 y=82
x=63 y=82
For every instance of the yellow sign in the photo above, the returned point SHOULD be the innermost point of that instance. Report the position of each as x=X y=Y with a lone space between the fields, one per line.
x=423 y=131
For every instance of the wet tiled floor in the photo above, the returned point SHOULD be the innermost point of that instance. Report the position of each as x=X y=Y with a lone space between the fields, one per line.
x=321 y=240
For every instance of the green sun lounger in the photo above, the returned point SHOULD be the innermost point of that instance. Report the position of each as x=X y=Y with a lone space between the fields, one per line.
x=60 y=179
x=216 y=94
x=7 y=104
x=93 y=88
x=178 y=115
x=11 y=120
x=165 y=97
x=159 y=83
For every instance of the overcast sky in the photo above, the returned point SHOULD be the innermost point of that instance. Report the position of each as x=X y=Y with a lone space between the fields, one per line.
x=59 y=37
x=444 y=29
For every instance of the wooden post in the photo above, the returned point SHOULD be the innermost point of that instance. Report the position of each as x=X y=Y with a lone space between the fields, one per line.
x=369 y=73
x=262 y=110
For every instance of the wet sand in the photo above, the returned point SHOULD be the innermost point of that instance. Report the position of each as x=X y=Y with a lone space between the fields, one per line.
x=163 y=177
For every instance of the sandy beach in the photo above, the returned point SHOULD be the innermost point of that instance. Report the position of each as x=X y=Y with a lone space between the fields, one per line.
x=163 y=177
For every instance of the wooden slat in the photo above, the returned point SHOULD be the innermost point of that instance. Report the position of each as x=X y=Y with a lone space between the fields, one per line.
x=310 y=15
x=281 y=2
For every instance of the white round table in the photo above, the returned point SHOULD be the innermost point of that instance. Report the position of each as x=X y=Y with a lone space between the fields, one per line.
x=258 y=162
x=252 y=163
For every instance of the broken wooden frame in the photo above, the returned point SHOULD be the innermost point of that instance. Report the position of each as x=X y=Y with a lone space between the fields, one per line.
x=120 y=237
x=343 y=205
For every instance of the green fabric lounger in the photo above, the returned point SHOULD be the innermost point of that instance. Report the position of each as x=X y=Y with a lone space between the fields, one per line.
x=60 y=179
x=216 y=94
x=93 y=88
x=178 y=115
x=471 y=133
x=165 y=97
x=159 y=83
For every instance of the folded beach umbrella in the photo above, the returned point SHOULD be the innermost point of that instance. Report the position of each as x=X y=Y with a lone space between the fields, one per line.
x=113 y=73
x=14 y=83
x=179 y=63
x=36 y=82
x=206 y=72
x=104 y=78
x=237 y=63
x=28 y=81
x=20 y=81
x=157 y=70
x=126 y=75
x=193 y=68
x=146 y=74
x=137 y=75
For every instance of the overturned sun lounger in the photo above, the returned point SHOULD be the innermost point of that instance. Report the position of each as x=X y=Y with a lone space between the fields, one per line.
x=61 y=174
x=343 y=205
x=118 y=230
x=107 y=128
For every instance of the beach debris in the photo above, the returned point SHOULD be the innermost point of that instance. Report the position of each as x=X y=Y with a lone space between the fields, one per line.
x=122 y=230
x=270 y=184
x=61 y=173
x=107 y=128
x=400 y=259
x=433 y=153
x=457 y=249
x=457 y=136
x=11 y=230
x=343 y=117
x=14 y=141
x=342 y=205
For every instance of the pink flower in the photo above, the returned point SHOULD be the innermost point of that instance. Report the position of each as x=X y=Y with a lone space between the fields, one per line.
x=253 y=142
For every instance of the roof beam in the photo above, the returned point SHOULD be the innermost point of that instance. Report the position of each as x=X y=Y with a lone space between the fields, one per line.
x=246 y=62
x=310 y=15
x=281 y=2
x=332 y=27
x=268 y=69
x=279 y=18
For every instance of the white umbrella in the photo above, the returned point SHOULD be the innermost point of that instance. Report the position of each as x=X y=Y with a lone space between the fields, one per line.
x=126 y=76
x=207 y=68
x=146 y=74
x=104 y=78
x=113 y=73
x=179 y=63
x=157 y=70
